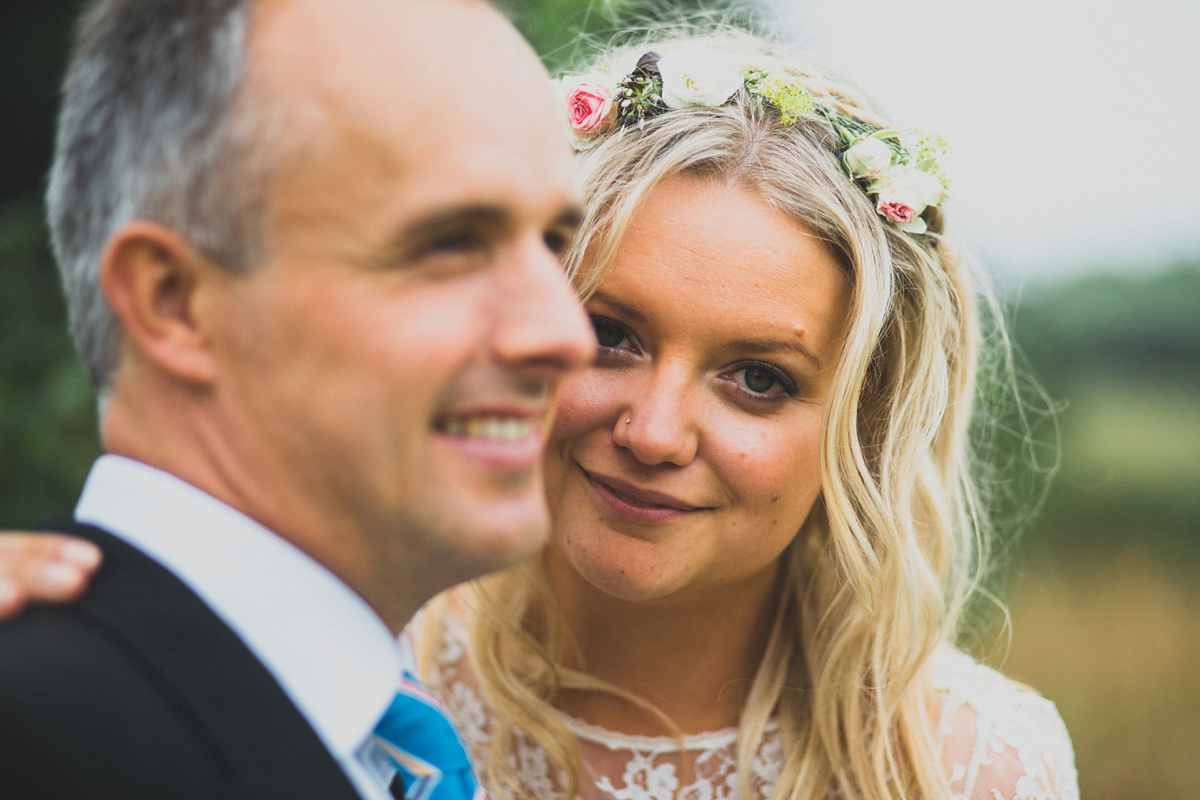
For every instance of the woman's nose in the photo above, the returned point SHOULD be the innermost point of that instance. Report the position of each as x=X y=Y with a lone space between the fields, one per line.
x=658 y=427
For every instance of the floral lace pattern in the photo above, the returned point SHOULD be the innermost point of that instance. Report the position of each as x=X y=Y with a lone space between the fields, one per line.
x=998 y=741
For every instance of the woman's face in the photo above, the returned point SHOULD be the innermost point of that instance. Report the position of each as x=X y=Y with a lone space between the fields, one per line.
x=685 y=458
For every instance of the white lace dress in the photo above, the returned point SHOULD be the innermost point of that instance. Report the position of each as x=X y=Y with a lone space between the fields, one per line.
x=999 y=741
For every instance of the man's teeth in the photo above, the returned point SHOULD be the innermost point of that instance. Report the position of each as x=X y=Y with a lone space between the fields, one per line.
x=503 y=428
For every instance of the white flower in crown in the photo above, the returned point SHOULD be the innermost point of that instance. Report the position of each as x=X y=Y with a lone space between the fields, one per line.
x=622 y=63
x=869 y=158
x=933 y=191
x=904 y=193
x=694 y=75
x=909 y=140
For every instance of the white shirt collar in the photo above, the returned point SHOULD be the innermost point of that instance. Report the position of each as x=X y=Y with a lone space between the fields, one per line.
x=325 y=646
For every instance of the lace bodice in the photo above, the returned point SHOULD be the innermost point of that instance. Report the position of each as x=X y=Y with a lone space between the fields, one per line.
x=998 y=741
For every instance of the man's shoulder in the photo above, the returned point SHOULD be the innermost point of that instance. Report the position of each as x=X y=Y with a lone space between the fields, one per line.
x=84 y=716
x=132 y=609
x=54 y=643
x=61 y=643
x=87 y=711
x=139 y=689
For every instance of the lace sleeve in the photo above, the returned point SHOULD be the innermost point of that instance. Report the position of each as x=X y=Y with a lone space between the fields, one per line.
x=1001 y=741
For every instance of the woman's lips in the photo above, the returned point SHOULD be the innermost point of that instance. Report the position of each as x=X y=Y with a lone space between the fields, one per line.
x=637 y=504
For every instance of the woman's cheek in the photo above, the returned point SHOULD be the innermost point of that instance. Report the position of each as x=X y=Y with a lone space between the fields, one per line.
x=771 y=464
x=591 y=398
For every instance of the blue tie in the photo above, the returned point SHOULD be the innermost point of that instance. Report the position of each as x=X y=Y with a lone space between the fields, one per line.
x=418 y=739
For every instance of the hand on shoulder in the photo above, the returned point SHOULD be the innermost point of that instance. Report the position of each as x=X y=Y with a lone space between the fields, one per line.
x=43 y=568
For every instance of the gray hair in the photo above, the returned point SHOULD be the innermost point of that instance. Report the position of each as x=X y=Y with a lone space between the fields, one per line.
x=151 y=128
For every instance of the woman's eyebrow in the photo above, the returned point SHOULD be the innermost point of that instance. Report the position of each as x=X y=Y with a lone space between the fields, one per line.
x=753 y=346
x=772 y=346
x=623 y=308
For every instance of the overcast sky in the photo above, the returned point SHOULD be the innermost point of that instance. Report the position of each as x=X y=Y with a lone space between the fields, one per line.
x=1074 y=126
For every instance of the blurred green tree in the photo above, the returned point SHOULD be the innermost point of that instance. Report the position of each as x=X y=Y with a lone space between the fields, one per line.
x=1121 y=353
x=47 y=431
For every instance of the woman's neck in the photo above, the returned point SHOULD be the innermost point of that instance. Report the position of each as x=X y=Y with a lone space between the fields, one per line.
x=693 y=657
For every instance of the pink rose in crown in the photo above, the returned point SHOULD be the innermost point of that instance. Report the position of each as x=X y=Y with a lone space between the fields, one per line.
x=897 y=211
x=904 y=193
x=590 y=108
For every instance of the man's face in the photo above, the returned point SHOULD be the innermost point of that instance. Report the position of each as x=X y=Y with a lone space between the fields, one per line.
x=389 y=372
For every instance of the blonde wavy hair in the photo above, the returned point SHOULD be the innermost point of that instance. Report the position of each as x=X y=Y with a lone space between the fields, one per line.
x=880 y=573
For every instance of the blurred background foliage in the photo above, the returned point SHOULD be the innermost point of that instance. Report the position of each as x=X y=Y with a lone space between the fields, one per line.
x=1102 y=585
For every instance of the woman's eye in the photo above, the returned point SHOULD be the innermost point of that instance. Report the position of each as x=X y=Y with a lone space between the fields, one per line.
x=759 y=379
x=608 y=333
x=763 y=382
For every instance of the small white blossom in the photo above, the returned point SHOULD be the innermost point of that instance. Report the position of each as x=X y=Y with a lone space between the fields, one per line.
x=932 y=189
x=913 y=186
x=908 y=140
x=696 y=75
x=869 y=158
x=622 y=64
x=904 y=193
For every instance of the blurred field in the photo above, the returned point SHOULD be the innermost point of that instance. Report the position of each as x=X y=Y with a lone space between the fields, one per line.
x=1116 y=644
x=1104 y=589
x=1142 y=436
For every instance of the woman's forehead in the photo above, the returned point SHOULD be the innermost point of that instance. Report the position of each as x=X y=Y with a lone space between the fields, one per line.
x=699 y=251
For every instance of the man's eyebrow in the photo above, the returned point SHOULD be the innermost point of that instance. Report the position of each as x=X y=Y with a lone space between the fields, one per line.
x=481 y=217
x=570 y=217
x=457 y=218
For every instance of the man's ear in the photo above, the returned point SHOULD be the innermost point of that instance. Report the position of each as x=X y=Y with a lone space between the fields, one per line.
x=152 y=278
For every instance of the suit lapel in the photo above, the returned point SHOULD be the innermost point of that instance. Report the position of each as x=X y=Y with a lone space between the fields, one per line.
x=266 y=743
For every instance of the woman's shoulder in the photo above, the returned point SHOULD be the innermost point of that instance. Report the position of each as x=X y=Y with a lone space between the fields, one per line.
x=437 y=634
x=999 y=739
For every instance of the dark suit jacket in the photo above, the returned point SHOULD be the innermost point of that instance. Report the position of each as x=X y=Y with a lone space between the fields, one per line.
x=140 y=691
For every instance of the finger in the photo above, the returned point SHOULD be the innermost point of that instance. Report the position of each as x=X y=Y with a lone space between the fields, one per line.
x=54 y=582
x=40 y=581
x=11 y=598
x=44 y=567
x=24 y=547
x=82 y=554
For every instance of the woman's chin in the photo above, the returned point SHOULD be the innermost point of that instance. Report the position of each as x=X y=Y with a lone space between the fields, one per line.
x=625 y=587
x=628 y=575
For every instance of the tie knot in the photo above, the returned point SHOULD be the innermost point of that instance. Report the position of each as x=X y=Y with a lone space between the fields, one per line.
x=418 y=739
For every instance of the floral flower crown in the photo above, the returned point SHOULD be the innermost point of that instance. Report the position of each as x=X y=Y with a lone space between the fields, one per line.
x=899 y=170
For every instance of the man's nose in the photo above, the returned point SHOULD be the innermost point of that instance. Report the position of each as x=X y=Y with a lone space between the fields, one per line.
x=540 y=321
